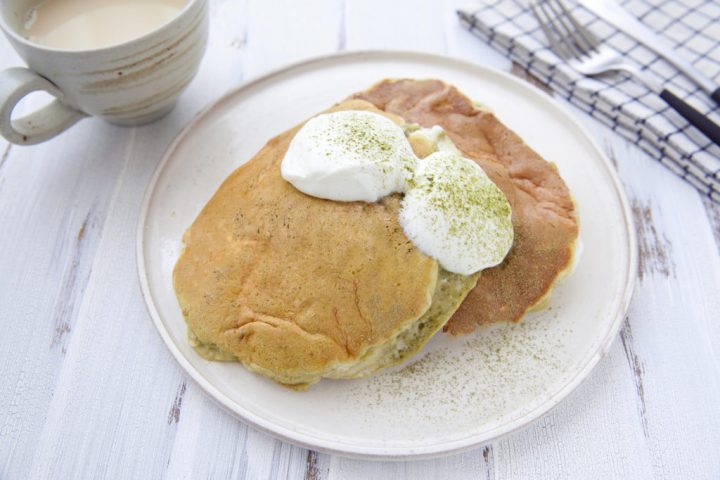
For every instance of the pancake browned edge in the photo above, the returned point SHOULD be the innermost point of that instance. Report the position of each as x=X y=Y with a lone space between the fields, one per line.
x=298 y=288
x=544 y=217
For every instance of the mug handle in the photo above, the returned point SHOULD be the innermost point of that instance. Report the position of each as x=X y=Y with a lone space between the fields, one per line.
x=38 y=126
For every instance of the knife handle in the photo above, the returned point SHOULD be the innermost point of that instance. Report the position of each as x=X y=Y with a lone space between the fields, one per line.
x=700 y=121
x=716 y=95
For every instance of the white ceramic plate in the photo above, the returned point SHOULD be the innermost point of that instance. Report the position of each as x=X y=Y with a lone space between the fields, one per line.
x=458 y=392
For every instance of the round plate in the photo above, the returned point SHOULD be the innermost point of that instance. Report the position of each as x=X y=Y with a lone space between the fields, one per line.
x=458 y=392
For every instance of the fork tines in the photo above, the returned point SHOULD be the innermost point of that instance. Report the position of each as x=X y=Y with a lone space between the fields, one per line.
x=568 y=38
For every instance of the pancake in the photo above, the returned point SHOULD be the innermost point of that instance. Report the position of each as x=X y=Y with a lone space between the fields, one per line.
x=298 y=288
x=544 y=218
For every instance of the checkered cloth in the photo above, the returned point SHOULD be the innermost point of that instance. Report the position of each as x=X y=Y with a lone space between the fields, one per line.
x=619 y=101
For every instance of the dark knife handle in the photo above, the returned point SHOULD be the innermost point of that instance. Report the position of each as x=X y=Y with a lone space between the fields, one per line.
x=716 y=95
x=700 y=121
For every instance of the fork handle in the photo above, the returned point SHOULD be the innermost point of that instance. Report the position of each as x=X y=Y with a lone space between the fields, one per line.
x=716 y=95
x=700 y=121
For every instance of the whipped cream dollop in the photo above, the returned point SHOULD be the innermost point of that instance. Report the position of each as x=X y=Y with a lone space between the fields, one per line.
x=454 y=213
x=451 y=211
x=349 y=156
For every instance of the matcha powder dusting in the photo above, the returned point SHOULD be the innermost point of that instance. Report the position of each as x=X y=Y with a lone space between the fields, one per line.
x=456 y=214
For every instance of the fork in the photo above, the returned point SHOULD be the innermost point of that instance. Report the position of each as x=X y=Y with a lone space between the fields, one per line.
x=587 y=55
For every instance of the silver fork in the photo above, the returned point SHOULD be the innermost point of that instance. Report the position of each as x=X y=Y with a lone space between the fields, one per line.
x=586 y=54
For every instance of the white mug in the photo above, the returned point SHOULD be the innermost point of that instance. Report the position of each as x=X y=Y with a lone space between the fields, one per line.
x=132 y=83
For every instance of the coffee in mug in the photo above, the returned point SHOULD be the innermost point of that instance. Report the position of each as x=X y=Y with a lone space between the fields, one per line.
x=88 y=24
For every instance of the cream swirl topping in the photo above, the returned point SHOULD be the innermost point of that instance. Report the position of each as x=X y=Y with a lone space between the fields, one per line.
x=349 y=156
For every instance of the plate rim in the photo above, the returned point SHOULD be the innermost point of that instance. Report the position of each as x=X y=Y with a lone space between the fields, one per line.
x=387 y=452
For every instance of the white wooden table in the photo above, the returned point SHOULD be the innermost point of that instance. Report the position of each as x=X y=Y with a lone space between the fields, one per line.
x=88 y=389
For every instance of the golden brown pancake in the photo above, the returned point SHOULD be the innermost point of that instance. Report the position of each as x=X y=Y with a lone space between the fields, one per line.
x=298 y=288
x=543 y=211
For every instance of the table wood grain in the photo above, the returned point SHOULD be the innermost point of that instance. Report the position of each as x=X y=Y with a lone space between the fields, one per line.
x=88 y=389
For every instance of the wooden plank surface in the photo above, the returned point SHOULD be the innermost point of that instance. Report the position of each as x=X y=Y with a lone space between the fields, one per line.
x=89 y=391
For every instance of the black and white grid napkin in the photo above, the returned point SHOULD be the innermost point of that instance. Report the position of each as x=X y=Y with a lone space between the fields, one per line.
x=619 y=101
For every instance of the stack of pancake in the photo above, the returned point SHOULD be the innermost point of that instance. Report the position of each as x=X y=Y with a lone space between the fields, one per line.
x=298 y=288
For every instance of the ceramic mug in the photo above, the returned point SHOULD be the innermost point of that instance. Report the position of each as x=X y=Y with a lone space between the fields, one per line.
x=132 y=83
